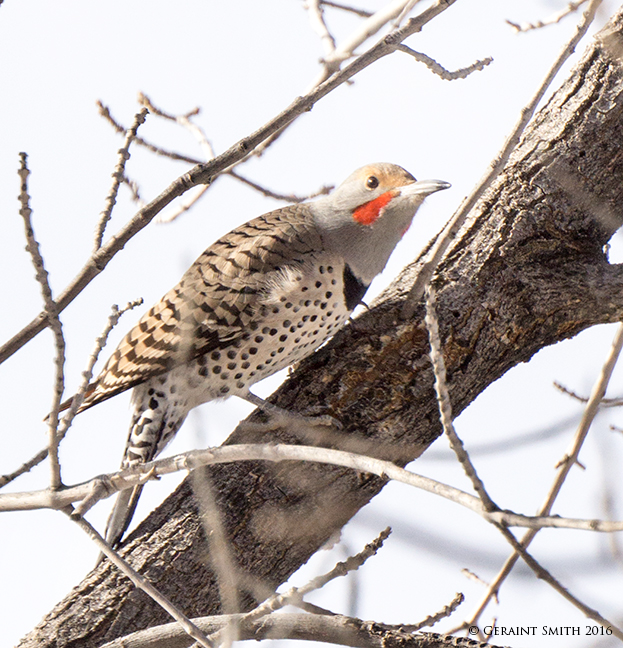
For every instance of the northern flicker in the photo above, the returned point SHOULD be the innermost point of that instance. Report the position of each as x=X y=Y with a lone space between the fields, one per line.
x=261 y=298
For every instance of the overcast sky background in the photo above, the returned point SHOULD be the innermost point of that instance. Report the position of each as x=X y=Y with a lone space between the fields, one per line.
x=243 y=62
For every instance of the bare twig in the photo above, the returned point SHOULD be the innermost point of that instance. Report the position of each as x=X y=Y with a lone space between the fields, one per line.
x=219 y=552
x=458 y=219
x=118 y=176
x=565 y=466
x=103 y=486
x=107 y=485
x=332 y=62
x=404 y=13
x=370 y=26
x=552 y=20
x=316 y=18
x=141 y=582
x=296 y=594
x=87 y=374
x=432 y=619
x=314 y=609
x=205 y=173
x=355 y=10
x=187 y=204
x=198 y=133
x=440 y=71
x=78 y=397
x=52 y=314
x=291 y=198
x=445 y=406
x=27 y=466
x=606 y=402
x=183 y=206
x=336 y=629
x=104 y=111
x=472 y=576
x=546 y=576
x=185 y=121
x=457 y=446
x=133 y=186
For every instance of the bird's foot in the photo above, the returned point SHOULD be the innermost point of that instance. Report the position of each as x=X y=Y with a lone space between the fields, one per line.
x=282 y=418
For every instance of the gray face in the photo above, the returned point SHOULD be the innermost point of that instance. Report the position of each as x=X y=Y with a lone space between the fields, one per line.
x=367 y=215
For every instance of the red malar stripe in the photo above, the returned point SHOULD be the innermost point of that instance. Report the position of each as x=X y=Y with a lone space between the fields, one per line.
x=367 y=213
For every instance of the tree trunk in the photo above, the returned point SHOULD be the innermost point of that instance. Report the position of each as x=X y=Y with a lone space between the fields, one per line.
x=528 y=270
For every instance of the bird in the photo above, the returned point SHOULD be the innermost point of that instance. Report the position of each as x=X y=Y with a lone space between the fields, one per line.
x=259 y=299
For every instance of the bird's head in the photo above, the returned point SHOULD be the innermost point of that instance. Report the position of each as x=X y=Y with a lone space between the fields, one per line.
x=366 y=216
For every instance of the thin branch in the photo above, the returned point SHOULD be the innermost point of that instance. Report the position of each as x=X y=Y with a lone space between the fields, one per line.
x=569 y=460
x=606 y=402
x=87 y=374
x=183 y=206
x=134 y=188
x=352 y=563
x=552 y=20
x=458 y=219
x=457 y=446
x=205 y=173
x=446 y=419
x=337 y=5
x=405 y=11
x=332 y=63
x=432 y=619
x=118 y=177
x=296 y=594
x=290 y=198
x=337 y=629
x=103 y=486
x=472 y=576
x=198 y=132
x=314 y=609
x=440 y=71
x=104 y=111
x=546 y=576
x=52 y=315
x=316 y=18
x=160 y=112
x=219 y=553
x=141 y=582
x=445 y=406
x=27 y=466
x=370 y=26
x=185 y=121
x=78 y=397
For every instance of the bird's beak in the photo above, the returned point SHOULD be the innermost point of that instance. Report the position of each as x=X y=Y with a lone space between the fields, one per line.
x=424 y=187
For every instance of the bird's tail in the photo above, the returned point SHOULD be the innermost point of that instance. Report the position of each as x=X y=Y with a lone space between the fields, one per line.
x=121 y=516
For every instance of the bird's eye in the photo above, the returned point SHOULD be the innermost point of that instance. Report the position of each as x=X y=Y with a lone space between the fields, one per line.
x=372 y=182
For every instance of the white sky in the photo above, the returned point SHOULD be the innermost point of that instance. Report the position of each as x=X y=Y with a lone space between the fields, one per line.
x=242 y=63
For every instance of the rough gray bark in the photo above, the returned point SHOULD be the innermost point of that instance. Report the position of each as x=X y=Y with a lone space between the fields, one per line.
x=528 y=270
